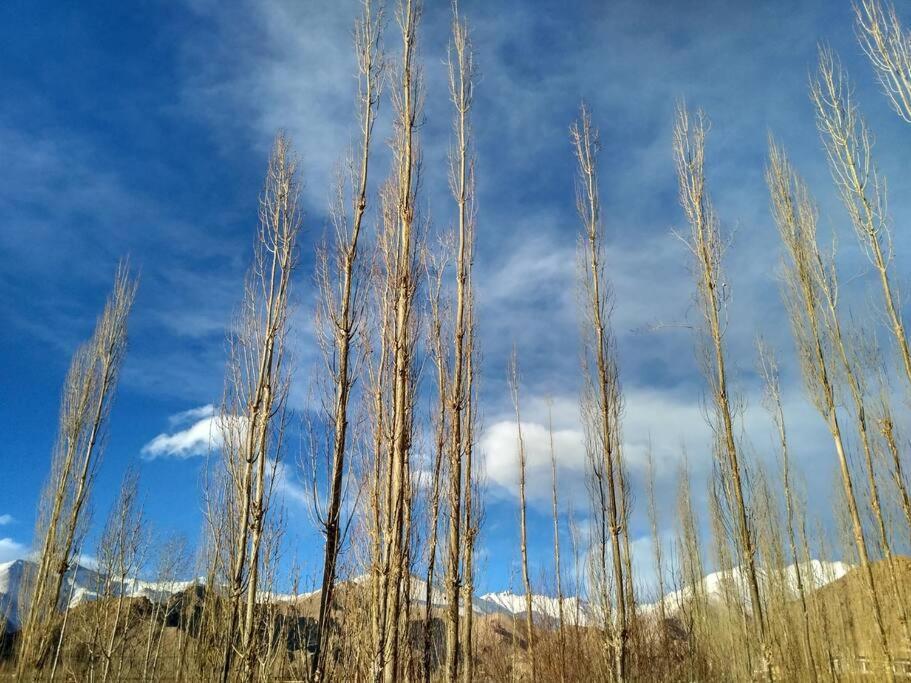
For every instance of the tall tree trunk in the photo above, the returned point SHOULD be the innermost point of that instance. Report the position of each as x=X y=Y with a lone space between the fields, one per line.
x=344 y=317
x=809 y=285
x=523 y=526
x=768 y=366
x=472 y=508
x=461 y=86
x=257 y=387
x=707 y=247
x=396 y=546
x=607 y=390
x=561 y=623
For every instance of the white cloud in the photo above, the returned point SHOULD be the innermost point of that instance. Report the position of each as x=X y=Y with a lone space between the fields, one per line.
x=6 y=519
x=500 y=452
x=201 y=436
x=191 y=415
x=12 y=550
x=667 y=418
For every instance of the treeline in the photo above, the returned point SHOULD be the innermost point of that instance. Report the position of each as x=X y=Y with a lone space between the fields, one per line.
x=397 y=328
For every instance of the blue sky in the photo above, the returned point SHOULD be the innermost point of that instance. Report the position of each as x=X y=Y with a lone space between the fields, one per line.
x=143 y=129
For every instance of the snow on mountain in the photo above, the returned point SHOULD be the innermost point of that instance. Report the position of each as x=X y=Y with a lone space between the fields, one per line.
x=79 y=584
x=814 y=574
x=82 y=584
x=575 y=610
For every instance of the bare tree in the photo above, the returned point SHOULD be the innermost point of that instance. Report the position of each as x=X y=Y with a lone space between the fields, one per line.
x=441 y=429
x=172 y=564
x=656 y=537
x=848 y=146
x=692 y=610
x=473 y=508
x=888 y=46
x=810 y=292
x=513 y=377
x=342 y=306
x=400 y=286
x=768 y=369
x=85 y=408
x=887 y=429
x=461 y=180
x=561 y=623
x=707 y=246
x=253 y=416
x=121 y=554
x=605 y=393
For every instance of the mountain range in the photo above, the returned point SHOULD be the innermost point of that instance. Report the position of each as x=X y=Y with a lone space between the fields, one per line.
x=83 y=584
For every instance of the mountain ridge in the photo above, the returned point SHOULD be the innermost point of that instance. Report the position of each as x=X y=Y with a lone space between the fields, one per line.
x=82 y=584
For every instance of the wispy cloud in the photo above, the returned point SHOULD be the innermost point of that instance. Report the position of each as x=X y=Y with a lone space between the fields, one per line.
x=203 y=434
x=6 y=519
x=192 y=415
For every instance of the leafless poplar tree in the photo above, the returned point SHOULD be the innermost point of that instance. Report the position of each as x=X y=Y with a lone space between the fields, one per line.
x=172 y=564
x=600 y=353
x=887 y=429
x=513 y=377
x=848 y=145
x=441 y=429
x=768 y=369
x=461 y=181
x=810 y=284
x=693 y=610
x=339 y=278
x=707 y=246
x=253 y=415
x=85 y=408
x=561 y=623
x=120 y=555
x=473 y=509
x=888 y=46
x=400 y=286
x=656 y=538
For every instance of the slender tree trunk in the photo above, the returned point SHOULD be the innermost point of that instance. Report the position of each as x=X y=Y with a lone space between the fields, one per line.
x=472 y=506
x=887 y=430
x=768 y=366
x=346 y=317
x=656 y=542
x=396 y=547
x=561 y=624
x=523 y=527
x=810 y=286
x=461 y=85
x=706 y=245
x=607 y=391
x=441 y=427
x=257 y=387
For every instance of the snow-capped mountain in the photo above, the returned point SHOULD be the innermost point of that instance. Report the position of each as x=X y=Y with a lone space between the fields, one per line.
x=82 y=584
x=575 y=610
x=78 y=585
x=814 y=574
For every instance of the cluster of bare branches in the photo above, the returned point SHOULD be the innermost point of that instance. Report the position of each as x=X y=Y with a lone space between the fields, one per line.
x=84 y=411
x=253 y=417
